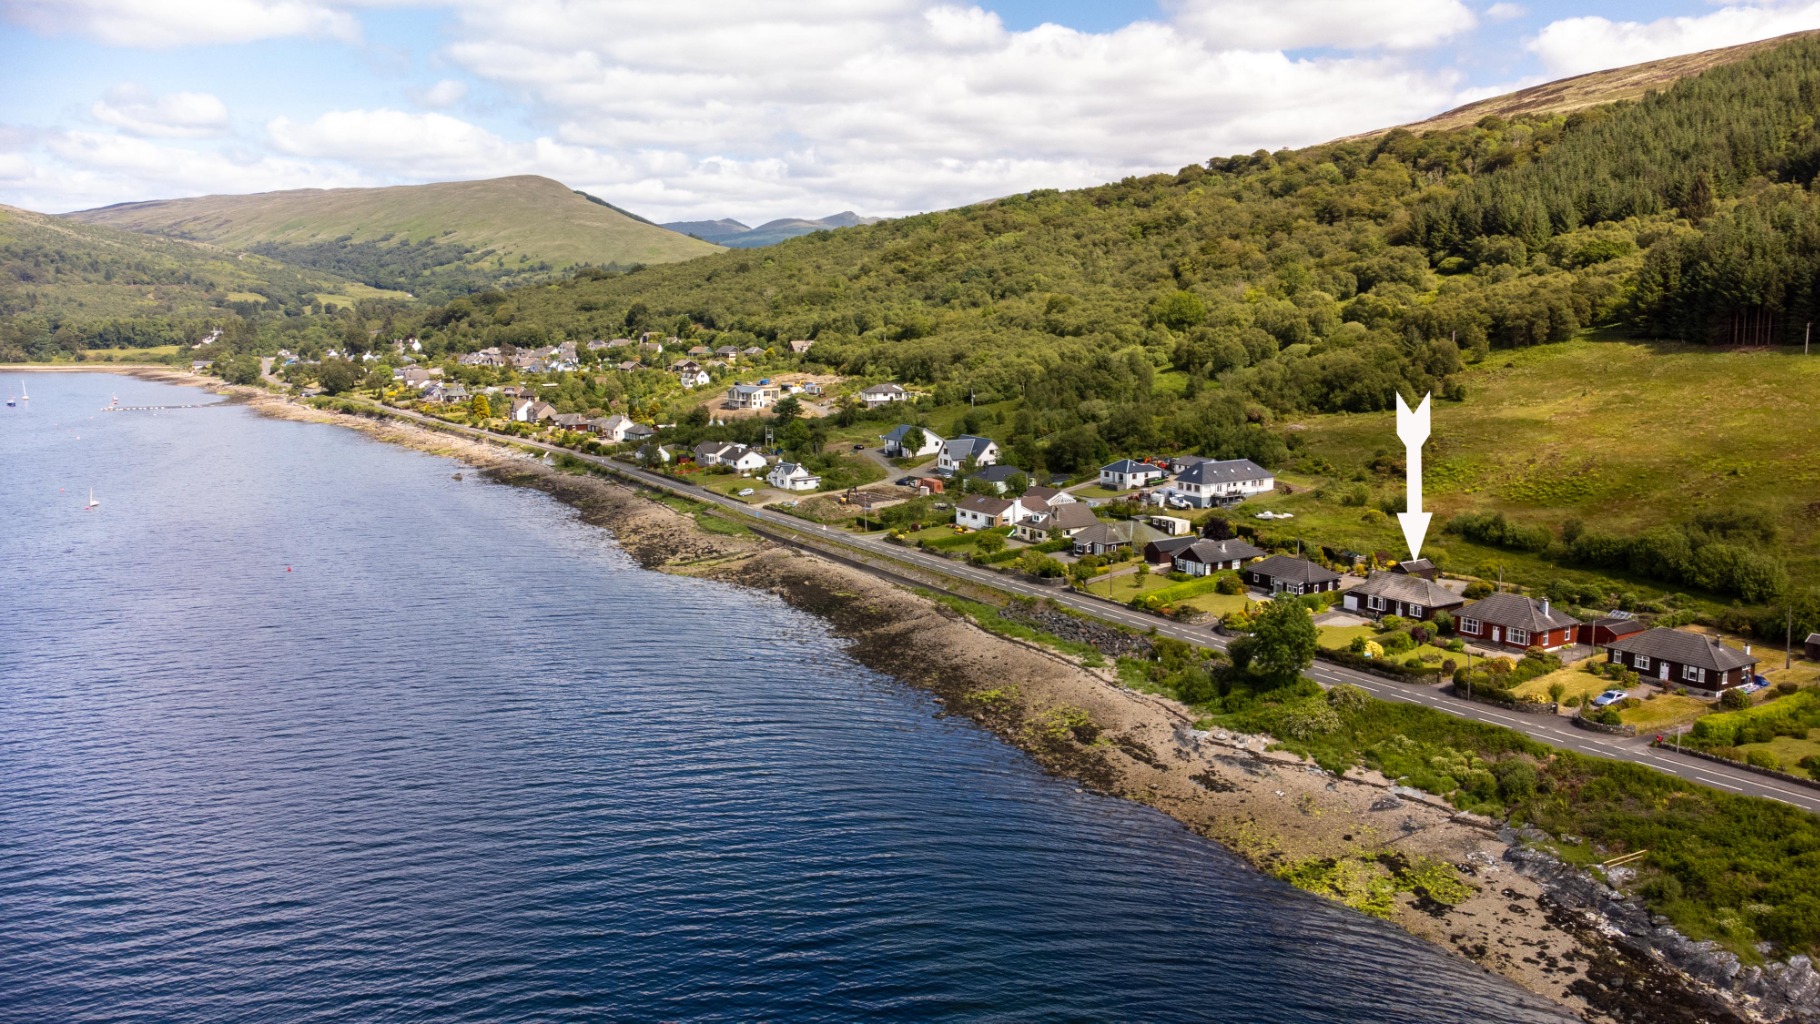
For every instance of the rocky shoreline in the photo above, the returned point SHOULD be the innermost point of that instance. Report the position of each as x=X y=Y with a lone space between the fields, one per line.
x=1518 y=917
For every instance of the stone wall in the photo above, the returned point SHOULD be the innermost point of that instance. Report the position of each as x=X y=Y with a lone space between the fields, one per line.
x=1108 y=640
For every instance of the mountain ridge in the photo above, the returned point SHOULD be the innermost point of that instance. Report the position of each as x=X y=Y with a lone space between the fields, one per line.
x=736 y=235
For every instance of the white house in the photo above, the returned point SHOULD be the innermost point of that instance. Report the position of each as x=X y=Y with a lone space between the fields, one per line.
x=882 y=394
x=747 y=462
x=1127 y=474
x=983 y=513
x=1209 y=483
x=789 y=476
x=955 y=453
x=613 y=428
x=894 y=442
x=695 y=378
x=751 y=396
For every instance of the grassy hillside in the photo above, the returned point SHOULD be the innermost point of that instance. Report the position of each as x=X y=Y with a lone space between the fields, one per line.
x=1582 y=91
x=1623 y=434
x=94 y=286
x=444 y=237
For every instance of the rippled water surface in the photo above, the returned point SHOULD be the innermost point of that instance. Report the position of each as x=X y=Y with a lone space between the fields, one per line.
x=296 y=727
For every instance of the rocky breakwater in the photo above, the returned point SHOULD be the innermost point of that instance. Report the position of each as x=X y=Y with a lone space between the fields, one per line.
x=1108 y=640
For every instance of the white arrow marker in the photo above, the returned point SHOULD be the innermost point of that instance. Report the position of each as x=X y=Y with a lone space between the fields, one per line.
x=1412 y=430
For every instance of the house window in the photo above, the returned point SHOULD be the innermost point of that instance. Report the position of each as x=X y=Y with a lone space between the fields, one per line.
x=1469 y=626
x=1518 y=636
x=1693 y=674
x=1642 y=664
x=1375 y=603
x=1415 y=611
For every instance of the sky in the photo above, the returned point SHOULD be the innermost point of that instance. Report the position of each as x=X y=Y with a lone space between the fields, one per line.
x=684 y=109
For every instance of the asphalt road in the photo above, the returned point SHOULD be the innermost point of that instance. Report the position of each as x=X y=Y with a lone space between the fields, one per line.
x=1553 y=730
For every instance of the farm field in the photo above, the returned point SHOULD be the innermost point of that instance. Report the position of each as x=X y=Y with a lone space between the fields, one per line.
x=1623 y=435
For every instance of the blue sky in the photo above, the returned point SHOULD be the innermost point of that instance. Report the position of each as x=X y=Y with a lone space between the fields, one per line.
x=684 y=108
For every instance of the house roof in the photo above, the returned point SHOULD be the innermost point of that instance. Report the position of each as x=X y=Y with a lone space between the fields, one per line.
x=883 y=389
x=986 y=505
x=1049 y=494
x=1293 y=570
x=1515 y=610
x=1227 y=472
x=1813 y=638
x=1105 y=533
x=790 y=469
x=966 y=446
x=1683 y=648
x=999 y=474
x=1170 y=545
x=897 y=434
x=1071 y=515
x=1415 y=565
x=1208 y=552
x=1125 y=467
x=1395 y=586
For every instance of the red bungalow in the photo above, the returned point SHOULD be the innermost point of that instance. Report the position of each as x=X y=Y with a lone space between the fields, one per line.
x=1516 y=622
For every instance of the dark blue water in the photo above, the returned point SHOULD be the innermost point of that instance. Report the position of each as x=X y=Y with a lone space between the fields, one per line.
x=465 y=762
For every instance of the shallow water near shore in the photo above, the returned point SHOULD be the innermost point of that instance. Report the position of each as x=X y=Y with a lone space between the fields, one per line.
x=296 y=727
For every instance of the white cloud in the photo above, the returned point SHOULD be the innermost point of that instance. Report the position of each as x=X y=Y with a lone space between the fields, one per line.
x=177 y=115
x=1346 y=24
x=1505 y=12
x=1574 y=46
x=161 y=24
x=77 y=169
x=445 y=93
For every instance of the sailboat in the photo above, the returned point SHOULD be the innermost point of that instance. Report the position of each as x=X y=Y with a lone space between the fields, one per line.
x=92 y=503
x=23 y=397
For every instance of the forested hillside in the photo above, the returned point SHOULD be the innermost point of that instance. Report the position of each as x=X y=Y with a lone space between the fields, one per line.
x=1186 y=309
x=65 y=286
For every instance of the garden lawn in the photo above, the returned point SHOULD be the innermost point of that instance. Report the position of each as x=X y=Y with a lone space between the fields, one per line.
x=1123 y=588
x=1096 y=491
x=1789 y=750
x=1219 y=604
x=1664 y=712
x=730 y=486
x=1339 y=638
x=1579 y=683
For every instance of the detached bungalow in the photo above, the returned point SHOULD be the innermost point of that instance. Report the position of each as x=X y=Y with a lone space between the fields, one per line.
x=1516 y=622
x=1412 y=597
x=1163 y=550
x=1068 y=519
x=1051 y=495
x=1206 y=557
x=613 y=428
x=894 y=442
x=1103 y=538
x=981 y=512
x=789 y=476
x=882 y=394
x=1000 y=477
x=1673 y=657
x=1128 y=474
x=571 y=421
x=1281 y=574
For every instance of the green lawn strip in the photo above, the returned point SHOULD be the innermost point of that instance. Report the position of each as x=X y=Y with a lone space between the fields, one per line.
x=1216 y=604
x=1097 y=491
x=1788 y=750
x=1664 y=711
x=1578 y=681
x=1720 y=866
x=1123 y=588
x=988 y=618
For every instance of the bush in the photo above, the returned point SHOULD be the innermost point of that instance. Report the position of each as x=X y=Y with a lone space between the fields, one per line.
x=1811 y=764
x=1607 y=716
x=1347 y=697
x=1229 y=583
x=1516 y=779
x=1734 y=700
x=1477 y=589
x=1390 y=622
x=1763 y=759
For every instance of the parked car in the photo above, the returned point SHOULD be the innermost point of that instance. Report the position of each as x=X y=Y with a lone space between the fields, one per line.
x=906 y=481
x=745 y=492
x=1609 y=697
x=859 y=447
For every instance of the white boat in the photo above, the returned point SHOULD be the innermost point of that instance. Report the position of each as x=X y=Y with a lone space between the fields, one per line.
x=92 y=503
x=23 y=397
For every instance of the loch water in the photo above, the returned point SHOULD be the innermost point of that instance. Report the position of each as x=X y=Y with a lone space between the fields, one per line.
x=295 y=726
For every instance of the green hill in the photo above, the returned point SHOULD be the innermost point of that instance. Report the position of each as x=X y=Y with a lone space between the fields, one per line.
x=66 y=285
x=432 y=240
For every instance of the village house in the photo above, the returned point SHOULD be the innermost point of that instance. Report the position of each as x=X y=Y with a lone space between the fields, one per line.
x=1515 y=622
x=1207 y=483
x=701 y=352
x=1000 y=478
x=751 y=350
x=1067 y=519
x=882 y=394
x=751 y=396
x=1281 y=574
x=894 y=442
x=1162 y=550
x=412 y=376
x=737 y=457
x=613 y=428
x=1412 y=597
x=981 y=512
x=1103 y=538
x=956 y=451
x=1205 y=557
x=629 y=365
x=1050 y=496
x=695 y=378
x=1675 y=657
x=1416 y=567
x=571 y=421
x=1129 y=474
x=789 y=476
x=1602 y=631
x=727 y=352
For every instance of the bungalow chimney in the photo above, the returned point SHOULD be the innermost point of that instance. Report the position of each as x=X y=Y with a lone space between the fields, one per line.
x=1747 y=648
x=1545 y=607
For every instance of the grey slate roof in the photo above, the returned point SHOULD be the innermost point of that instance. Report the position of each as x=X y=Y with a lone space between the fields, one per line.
x=985 y=505
x=1231 y=471
x=1129 y=466
x=1170 y=545
x=1208 y=552
x=1069 y=516
x=897 y=433
x=1104 y=534
x=1682 y=648
x=966 y=446
x=1414 y=565
x=1408 y=589
x=1518 y=611
x=1293 y=570
x=999 y=474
